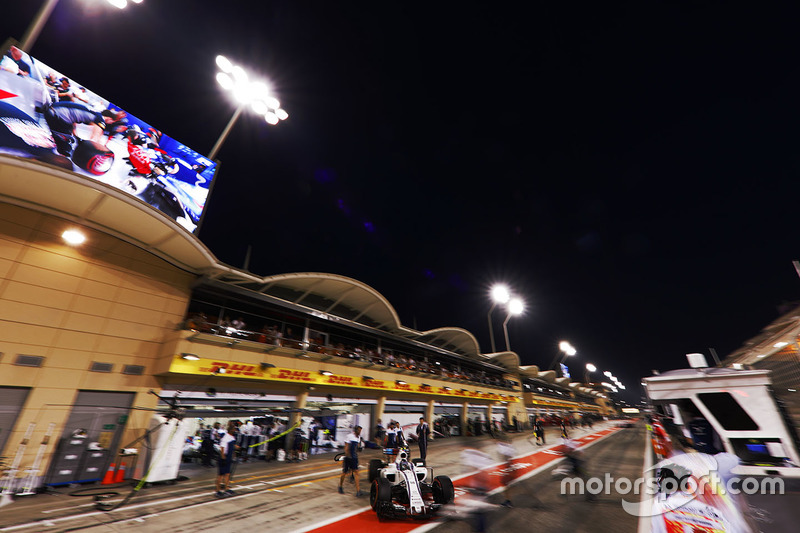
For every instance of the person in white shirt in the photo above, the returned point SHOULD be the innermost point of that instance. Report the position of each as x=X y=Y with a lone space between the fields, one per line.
x=351 y=445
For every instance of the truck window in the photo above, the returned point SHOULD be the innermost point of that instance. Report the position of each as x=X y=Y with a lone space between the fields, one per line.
x=727 y=411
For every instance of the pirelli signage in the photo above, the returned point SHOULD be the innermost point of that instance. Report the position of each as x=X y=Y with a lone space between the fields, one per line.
x=309 y=377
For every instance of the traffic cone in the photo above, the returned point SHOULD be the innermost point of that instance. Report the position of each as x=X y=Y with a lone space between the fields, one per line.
x=108 y=479
x=119 y=477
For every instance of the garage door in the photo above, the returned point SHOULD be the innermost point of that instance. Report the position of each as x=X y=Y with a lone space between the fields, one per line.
x=11 y=401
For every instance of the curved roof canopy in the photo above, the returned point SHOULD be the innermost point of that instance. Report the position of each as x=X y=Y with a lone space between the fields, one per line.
x=94 y=204
x=453 y=339
x=548 y=376
x=509 y=360
x=330 y=294
x=529 y=371
x=343 y=297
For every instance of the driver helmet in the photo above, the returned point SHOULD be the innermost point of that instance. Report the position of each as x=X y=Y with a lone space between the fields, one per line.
x=154 y=135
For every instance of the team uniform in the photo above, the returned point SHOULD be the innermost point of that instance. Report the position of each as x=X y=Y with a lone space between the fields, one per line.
x=228 y=446
x=391 y=438
x=351 y=459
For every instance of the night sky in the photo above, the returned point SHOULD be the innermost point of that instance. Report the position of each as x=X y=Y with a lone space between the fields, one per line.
x=630 y=169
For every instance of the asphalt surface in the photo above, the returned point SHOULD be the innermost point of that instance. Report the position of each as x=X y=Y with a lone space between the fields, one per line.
x=291 y=496
x=539 y=505
x=302 y=496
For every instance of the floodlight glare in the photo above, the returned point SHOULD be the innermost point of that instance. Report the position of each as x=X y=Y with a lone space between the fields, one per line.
x=121 y=4
x=568 y=350
x=500 y=294
x=259 y=107
x=239 y=74
x=590 y=367
x=225 y=81
x=272 y=102
x=516 y=306
x=260 y=90
x=256 y=93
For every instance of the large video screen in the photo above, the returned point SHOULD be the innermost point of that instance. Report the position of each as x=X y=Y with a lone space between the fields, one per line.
x=50 y=117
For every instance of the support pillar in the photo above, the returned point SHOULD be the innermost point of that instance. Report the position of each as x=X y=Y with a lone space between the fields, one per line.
x=429 y=416
x=379 y=407
x=464 y=415
x=299 y=403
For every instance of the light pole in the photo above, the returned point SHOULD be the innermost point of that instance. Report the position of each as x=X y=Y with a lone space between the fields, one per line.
x=515 y=307
x=255 y=94
x=567 y=349
x=35 y=28
x=500 y=295
x=589 y=369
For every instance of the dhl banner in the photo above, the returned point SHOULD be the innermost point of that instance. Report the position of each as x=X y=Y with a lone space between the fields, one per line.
x=570 y=405
x=310 y=377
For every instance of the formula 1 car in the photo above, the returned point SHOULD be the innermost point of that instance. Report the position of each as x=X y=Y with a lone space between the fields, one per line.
x=406 y=488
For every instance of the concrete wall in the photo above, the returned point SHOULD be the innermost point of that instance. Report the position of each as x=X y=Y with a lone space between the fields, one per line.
x=104 y=301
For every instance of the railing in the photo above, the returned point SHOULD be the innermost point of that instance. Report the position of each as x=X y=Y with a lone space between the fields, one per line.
x=273 y=336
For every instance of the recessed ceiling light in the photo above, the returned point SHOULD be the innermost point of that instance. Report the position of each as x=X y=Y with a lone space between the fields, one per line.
x=73 y=237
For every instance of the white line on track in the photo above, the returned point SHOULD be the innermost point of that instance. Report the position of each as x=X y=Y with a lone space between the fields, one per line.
x=170 y=500
x=645 y=520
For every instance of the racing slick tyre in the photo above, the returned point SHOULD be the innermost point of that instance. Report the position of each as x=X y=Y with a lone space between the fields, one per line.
x=374 y=466
x=379 y=493
x=93 y=157
x=443 y=491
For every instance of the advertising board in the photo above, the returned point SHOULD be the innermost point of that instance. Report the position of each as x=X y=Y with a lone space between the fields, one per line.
x=49 y=117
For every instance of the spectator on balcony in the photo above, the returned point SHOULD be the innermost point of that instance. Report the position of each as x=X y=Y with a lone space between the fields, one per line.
x=317 y=345
x=238 y=323
x=374 y=356
x=291 y=339
x=197 y=321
